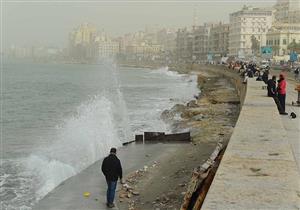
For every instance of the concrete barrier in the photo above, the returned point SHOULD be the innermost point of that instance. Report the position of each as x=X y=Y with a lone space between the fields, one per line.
x=154 y=137
x=258 y=170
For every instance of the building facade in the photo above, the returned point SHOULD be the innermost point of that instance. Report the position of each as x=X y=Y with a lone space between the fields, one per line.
x=184 y=45
x=287 y=11
x=82 y=42
x=108 y=48
x=286 y=27
x=201 y=46
x=279 y=40
x=219 y=40
x=246 y=27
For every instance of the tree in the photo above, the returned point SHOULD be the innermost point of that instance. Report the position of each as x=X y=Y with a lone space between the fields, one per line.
x=255 y=45
x=293 y=46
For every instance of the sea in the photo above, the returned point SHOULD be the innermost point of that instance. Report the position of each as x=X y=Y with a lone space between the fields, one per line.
x=58 y=119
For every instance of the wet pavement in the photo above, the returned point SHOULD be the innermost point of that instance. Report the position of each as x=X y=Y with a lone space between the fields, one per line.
x=69 y=194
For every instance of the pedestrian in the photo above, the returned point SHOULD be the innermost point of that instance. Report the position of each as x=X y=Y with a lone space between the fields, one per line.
x=272 y=92
x=272 y=87
x=296 y=72
x=265 y=76
x=281 y=89
x=112 y=170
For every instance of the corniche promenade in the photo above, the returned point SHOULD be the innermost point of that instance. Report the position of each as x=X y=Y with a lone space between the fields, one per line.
x=258 y=170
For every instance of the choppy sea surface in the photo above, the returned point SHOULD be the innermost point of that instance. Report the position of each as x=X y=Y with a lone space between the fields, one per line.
x=57 y=119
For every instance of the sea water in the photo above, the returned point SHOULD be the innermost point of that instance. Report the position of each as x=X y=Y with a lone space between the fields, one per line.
x=57 y=119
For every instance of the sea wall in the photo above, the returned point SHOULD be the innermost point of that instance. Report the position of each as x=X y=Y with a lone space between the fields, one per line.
x=258 y=170
x=230 y=74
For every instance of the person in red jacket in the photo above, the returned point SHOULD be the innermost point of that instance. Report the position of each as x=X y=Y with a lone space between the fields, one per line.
x=281 y=89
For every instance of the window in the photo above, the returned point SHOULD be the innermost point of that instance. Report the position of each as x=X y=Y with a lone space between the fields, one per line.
x=284 y=41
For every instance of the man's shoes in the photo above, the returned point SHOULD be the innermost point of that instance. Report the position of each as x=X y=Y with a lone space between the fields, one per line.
x=283 y=113
x=110 y=205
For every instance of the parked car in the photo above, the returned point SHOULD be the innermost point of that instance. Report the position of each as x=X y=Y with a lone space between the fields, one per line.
x=264 y=65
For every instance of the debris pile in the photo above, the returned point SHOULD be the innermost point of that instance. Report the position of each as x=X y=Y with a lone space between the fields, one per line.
x=201 y=179
x=129 y=191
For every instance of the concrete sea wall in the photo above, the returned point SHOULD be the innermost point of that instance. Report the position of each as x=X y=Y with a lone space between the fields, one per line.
x=258 y=170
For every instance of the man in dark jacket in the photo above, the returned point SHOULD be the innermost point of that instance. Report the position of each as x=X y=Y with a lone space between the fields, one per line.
x=112 y=170
x=272 y=87
x=272 y=92
x=265 y=76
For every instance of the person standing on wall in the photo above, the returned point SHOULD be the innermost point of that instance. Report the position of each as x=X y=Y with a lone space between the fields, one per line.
x=281 y=89
x=112 y=170
x=272 y=92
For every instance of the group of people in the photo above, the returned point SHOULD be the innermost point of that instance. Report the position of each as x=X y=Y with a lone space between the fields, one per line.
x=248 y=69
x=276 y=88
x=278 y=92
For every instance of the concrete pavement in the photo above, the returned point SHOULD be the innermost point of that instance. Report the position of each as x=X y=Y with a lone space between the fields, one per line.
x=292 y=126
x=258 y=169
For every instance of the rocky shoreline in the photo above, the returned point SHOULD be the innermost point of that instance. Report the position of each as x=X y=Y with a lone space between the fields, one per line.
x=211 y=117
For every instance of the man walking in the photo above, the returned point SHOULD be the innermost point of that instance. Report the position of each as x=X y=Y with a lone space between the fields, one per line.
x=112 y=170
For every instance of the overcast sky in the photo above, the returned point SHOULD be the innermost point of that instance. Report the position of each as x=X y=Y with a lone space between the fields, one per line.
x=34 y=22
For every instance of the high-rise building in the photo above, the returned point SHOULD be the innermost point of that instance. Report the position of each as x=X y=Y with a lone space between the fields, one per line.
x=166 y=38
x=247 y=30
x=285 y=28
x=202 y=42
x=82 y=42
x=184 y=45
x=287 y=11
x=219 y=40
x=201 y=46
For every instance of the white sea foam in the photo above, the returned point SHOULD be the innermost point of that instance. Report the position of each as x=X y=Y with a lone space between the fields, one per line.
x=81 y=140
x=89 y=131
x=165 y=71
x=50 y=173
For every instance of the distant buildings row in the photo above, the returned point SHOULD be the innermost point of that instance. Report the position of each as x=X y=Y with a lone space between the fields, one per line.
x=85 y=42
x=276 y=29
x=37 y=52
x=249 y=30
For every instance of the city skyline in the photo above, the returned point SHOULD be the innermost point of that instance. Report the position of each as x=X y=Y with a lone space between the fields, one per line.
x=46 y=23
